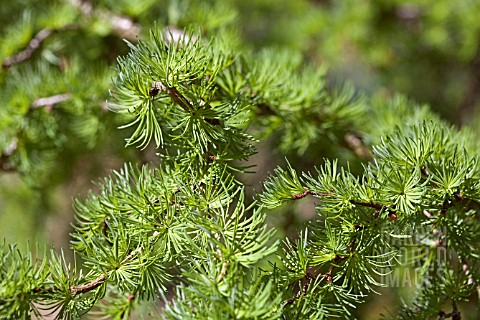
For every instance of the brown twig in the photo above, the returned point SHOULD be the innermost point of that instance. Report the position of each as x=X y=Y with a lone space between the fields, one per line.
x=308 y=277
x=47 y=102
x=301 y=195
x=178 y=98
x=31 y=47
x=355 y=143
x=89 y=286
x=306 y=192
x=455 y=314
x=122 y=26
x=50 y=101
x=375 y=206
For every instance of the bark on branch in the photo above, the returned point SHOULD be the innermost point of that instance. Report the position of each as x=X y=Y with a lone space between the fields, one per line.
x=50 y=101
x=89 y=286
x=123 y=27
x=33 y=45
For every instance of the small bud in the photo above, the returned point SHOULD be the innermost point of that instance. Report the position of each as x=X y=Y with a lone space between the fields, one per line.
x=157 y=86
x=393 y=217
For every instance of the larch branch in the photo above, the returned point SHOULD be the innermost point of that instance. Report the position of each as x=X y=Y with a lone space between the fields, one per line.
x=50 y=101
x=31 y=47
x=89 y=286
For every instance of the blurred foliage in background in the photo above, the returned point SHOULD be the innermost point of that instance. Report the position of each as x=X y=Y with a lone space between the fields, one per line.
x=425 y=49
x=56 y=133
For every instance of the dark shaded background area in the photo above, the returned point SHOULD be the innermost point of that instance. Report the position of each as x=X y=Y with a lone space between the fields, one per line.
x=427 y=50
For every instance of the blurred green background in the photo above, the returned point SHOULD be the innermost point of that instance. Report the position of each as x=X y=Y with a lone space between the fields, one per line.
x=427 y=50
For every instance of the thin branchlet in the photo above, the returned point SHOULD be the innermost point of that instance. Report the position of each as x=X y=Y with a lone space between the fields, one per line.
x=33 y=45
x=50 y=101
x=92 y=285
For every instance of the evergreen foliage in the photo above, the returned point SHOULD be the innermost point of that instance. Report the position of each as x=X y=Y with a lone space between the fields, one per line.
x=178 y=236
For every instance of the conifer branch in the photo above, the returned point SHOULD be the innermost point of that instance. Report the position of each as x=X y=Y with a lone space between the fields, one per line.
x=301 y=195
x=122 y=26
x=178 y=98
x=375 y=206
x=308 y=278
x=183 y=222
x=33 y=45
x=92 y=285
x=50 y=101
x=355 y=143
x=306 y=192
